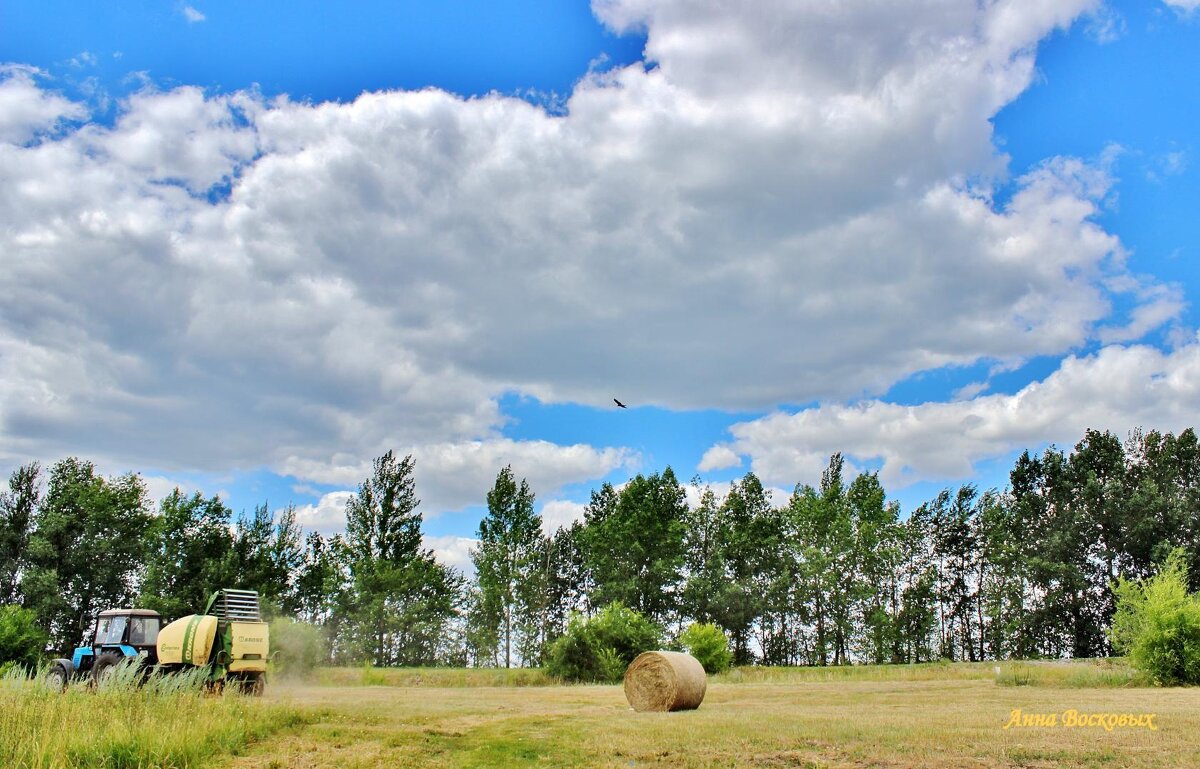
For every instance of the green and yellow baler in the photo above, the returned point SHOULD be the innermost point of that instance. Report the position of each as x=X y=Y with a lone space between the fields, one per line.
x=230 y=638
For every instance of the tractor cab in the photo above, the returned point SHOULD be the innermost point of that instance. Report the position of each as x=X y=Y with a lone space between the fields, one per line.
x=118 y=633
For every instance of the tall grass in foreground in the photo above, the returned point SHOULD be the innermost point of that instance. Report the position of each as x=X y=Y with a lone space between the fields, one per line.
x=171 y=721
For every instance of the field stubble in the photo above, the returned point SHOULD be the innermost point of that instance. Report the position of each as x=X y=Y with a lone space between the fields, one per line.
x=915 y=716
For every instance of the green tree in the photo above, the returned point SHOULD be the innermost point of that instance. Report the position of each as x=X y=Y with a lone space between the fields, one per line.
x=17 y=508
x=189 y=554
x=825 y=537
x=633 y=544
x=21 y=639
x=1163 y=487
x=319 y=581
x=267 y=555
x=1157 y=624
x=876 y=563
x=400 y=599
x=568 y=581
x=87 y=547
x=703 y=565
x=510 y=565
x=956 y=550
x=916 y=612
x=748 y=547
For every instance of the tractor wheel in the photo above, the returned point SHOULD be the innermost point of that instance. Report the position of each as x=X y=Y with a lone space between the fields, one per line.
x=57 y=677
x=103 y=667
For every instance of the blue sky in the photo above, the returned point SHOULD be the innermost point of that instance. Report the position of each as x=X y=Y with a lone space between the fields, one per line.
x=700 y=214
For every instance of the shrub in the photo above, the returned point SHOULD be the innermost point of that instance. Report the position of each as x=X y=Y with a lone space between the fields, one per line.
x=708 y=644
x=301 y=646
x=1157 y=624
x=600 y=648
x=22 y=641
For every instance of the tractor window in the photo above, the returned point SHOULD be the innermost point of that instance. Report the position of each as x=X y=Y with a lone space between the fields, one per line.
x=110 y=630
x=143 y=631
x=102 y=629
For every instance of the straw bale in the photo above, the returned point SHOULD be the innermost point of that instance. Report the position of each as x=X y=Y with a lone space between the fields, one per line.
x=663 y=681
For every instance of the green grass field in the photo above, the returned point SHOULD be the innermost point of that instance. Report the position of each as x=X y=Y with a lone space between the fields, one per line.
x=172 y=722
x=935 y=715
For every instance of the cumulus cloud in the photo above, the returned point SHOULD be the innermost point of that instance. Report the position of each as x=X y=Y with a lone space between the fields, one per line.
x=718 y=458
x=327 y=516
x=27 y=110
x=453 y=551
x=1118 y=388
x=192 y=15
x=451 y=476
x=793 y=203
x=777 y=495
x=560 y=513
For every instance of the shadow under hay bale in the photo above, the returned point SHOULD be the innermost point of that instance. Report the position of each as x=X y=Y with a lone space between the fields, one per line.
x=665 y=681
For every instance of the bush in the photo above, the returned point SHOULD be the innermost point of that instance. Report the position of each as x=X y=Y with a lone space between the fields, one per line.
x=600 y=648
x=22 y=641
x=1157 y=624
x=708 y=644
x=301 y=646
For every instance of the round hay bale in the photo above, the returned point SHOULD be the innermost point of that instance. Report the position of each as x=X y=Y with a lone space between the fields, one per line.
x=665 y=681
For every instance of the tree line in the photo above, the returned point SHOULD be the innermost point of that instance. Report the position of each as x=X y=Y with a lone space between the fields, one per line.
x=833 y=575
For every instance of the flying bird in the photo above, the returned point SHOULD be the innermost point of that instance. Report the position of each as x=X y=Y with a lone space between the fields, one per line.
x=622 y=405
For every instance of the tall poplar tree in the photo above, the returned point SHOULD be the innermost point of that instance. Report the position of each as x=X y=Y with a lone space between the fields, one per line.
x=510 y=565
x=400 y=598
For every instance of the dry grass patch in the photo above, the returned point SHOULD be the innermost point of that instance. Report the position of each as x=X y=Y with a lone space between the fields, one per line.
x=953 y=721
x=456 y=678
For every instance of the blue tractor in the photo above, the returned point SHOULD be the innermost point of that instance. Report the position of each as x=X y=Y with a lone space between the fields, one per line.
x=119 y=635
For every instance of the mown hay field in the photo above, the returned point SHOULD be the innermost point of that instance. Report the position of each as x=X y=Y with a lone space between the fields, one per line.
x=903 y=716
x=862 y=716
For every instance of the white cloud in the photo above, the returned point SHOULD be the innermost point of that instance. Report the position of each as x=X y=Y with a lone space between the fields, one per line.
x=776 y=212
x=158 y=487
x=82 y=60
x=453 y=551
x=1185 y=6
x=327 y=516
x=718 y=457
x=192 y=15
x=1118 y=388
x=560 y=513
x=777 y=495
x=27 y=110
x=451 y=476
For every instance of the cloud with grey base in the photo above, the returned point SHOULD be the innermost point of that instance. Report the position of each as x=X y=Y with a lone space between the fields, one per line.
x=768 y=214
x=1118 y=389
